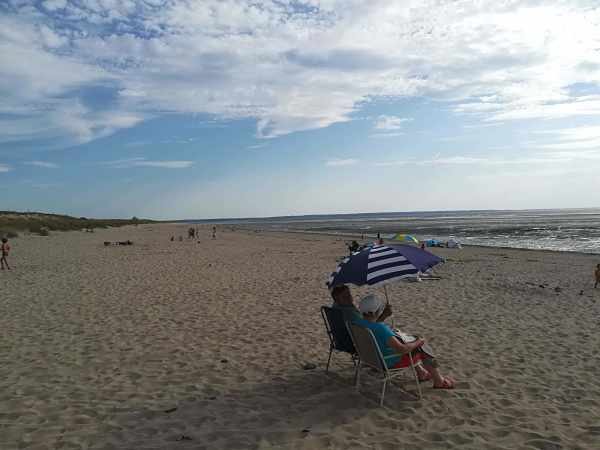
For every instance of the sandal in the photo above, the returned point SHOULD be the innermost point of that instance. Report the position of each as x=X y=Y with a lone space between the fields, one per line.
x=448 y=383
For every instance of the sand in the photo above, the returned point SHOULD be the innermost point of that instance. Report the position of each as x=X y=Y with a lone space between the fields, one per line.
x=185 y=345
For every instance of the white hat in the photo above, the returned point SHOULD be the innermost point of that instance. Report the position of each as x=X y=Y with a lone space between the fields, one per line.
x=370 y=304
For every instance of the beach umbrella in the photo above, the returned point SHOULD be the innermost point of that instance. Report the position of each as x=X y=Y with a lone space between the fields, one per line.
x=406 y=238
x=382 y=264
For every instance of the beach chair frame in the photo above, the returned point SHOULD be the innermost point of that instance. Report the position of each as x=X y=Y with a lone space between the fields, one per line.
x=369 y=354
x=337 y=343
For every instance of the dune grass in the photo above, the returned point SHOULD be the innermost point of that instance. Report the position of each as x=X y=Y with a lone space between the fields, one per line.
x=12 y=223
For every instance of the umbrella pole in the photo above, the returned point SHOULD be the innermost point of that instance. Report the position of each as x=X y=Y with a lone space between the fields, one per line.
x=387 y=300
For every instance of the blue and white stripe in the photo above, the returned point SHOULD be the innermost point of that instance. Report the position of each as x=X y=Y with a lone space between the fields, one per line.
x=386 y=264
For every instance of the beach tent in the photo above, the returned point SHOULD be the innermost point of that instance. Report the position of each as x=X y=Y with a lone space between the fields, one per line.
x=406 y=238
x=453 y=244
x=433 y=243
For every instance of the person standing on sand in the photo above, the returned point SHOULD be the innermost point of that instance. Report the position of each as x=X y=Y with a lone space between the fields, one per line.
x=597 y=274
x=5 y=250
x=214 y=236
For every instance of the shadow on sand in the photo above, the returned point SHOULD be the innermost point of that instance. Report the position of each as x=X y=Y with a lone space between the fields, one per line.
x=297 y=411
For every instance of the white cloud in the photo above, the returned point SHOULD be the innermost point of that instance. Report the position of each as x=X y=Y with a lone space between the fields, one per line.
x=5 y=168
x=387 y=123
x=143 y=162
x=290 y=65
x=341 y=162
x=43 y=164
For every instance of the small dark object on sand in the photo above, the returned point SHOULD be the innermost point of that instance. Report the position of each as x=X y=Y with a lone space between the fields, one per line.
x=125 y=243
x=183 y=437
x=306 y=430
x=542 y=286
x=557 y=289
x=580 y=292
x=309 y=366
x=224 y=361
x=106 y=243
x=170 y=410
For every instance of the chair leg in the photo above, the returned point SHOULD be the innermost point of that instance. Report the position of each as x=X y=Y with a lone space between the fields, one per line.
x=383 y=392
x=328 y=360
x=412 y=366
x=357 y=375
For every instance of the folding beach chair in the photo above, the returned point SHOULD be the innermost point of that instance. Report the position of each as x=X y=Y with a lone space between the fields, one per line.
x=339 y=336
x=369 y=354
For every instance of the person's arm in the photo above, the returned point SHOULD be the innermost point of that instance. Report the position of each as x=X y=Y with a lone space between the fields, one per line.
x=397 y=345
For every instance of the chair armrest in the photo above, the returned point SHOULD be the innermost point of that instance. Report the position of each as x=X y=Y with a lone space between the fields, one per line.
x=395 y=355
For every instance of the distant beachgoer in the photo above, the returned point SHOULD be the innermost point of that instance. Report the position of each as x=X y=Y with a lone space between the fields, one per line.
x=423 y=245
x=395 y=350
x=191 y=233
x=597 y=273
x=353 y=247
x=5 y=251
x=214 y=234
x=172 y=238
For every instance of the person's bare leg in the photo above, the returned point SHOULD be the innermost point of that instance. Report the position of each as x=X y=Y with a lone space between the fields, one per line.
x=421 y=371
x=432 y=367
x=437 y=377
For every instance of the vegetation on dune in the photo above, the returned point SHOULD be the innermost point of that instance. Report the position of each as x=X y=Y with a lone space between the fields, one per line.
x=11 y=223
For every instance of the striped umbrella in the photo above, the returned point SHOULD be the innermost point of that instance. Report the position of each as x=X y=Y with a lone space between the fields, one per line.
x=381 y=264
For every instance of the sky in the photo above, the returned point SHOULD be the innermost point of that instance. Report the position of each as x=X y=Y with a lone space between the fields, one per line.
x=181 y=109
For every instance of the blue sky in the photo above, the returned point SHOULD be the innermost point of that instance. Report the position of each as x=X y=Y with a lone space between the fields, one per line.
x=180 y=109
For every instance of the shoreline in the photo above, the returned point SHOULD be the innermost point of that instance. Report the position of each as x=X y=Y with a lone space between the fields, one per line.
x=386 y=241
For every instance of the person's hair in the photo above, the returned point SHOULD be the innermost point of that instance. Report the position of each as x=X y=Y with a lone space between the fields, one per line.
x=4 y=241
x=370 y=314
x=338 y=290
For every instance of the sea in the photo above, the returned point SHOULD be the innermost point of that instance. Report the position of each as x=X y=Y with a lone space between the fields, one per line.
x=574 y=230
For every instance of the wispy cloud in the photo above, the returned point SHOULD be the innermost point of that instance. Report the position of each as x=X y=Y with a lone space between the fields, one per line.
x=386 y=135
x=143 y=162
x=341 y=162
x=256 y=146
x=5 y=168
x=43 y=164
x=460 y=160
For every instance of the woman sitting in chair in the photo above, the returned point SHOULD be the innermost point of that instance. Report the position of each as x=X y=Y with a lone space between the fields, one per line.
x=391 y=344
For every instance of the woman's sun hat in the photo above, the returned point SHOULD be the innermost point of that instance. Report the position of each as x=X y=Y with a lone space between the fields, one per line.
x=370 y=304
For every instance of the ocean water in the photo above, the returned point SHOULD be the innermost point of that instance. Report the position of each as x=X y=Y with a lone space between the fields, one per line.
x=558 y=229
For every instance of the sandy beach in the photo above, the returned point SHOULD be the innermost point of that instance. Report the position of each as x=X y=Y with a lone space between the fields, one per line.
x=186 y=345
